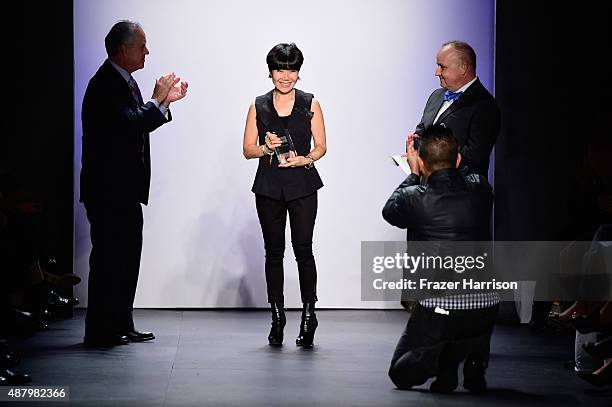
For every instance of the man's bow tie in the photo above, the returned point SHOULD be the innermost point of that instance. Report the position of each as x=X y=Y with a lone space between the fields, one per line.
x=450 y=95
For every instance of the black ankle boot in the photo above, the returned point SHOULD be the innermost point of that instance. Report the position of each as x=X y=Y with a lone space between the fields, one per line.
x=307 y=326
x=278 y=323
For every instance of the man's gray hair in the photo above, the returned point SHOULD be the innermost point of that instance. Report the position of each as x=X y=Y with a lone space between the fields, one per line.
x=122 y=33
x=464 y=52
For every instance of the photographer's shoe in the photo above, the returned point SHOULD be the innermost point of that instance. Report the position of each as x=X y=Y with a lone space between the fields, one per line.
x=474 y=375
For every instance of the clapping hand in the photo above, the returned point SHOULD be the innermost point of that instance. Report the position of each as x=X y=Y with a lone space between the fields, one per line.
x=176 y=92
x=163 y=86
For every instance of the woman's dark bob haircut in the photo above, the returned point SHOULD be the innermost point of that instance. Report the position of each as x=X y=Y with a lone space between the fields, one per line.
x=285 y=56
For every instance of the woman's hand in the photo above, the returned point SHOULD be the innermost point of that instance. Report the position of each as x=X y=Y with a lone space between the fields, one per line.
x=295 y=161
x=272 y=140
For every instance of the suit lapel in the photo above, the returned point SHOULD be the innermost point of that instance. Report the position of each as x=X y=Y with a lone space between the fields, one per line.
x=464 y=100
x=436 y=108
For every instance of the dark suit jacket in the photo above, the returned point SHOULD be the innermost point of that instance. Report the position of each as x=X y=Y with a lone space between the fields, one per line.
x=474 y=119
x=116 y=160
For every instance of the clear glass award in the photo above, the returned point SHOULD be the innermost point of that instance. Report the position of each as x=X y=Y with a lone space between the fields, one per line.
x=285 y=150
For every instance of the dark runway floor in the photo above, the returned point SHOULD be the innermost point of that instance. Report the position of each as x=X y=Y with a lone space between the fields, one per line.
x=221 y=358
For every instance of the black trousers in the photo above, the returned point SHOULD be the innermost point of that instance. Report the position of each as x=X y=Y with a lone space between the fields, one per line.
x=273 y=219
x=114 y=264
x=432 y=341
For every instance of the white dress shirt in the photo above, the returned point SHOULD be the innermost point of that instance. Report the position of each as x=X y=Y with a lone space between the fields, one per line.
x=447 y=103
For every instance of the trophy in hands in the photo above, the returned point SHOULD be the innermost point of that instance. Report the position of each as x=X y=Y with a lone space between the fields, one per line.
x=286 y=149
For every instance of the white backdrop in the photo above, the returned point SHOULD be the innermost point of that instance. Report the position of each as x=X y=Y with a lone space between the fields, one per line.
x=371 y=65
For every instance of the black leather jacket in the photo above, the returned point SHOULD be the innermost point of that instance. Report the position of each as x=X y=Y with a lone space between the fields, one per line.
x=448 y=205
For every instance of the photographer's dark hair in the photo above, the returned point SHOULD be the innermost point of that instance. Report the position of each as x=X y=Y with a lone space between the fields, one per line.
x=438 y=148
x=120 y=34
x=285 y=56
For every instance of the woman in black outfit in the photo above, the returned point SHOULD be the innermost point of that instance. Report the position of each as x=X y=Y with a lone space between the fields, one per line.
x=289 y=185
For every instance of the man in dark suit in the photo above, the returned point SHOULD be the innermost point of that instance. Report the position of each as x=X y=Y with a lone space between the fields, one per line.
x=115 y=178
x=463 y=105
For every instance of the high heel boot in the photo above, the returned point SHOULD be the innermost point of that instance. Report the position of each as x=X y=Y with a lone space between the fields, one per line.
x=307 y=326
x=278 y=323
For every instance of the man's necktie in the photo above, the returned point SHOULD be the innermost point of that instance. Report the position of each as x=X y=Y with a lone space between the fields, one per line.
x=138 y=101
x=135 y=92
x=450 y=95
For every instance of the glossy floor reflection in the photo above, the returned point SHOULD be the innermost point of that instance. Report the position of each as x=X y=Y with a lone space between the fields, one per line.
x=221 y=358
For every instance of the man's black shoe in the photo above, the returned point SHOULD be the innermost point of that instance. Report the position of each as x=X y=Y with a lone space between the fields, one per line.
x=8 y=359
x=136 y=336
x=450 y=357
x=105 y=341
x=57 y=301
x=14 y=378
x=474 y=375
x=444 y=384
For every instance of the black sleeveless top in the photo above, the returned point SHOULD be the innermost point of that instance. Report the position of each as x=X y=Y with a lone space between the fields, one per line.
x=287 y=183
